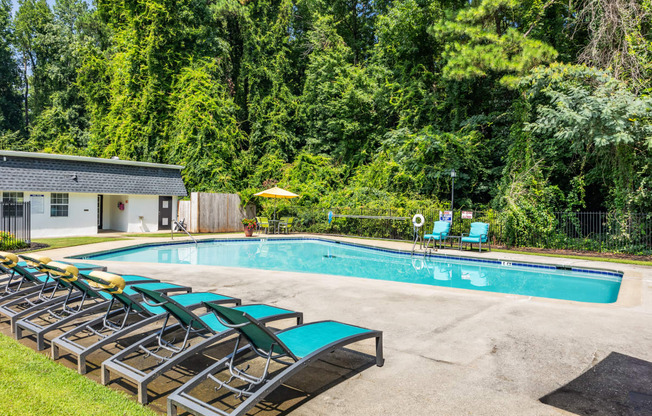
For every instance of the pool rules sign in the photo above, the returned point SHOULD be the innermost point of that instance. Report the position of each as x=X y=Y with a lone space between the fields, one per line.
x=467 y=215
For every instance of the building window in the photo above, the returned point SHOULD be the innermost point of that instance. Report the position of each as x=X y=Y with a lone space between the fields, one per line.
x=12 y=204
x=59 y=205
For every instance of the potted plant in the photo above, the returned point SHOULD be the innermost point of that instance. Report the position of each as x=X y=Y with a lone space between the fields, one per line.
x=249 y=226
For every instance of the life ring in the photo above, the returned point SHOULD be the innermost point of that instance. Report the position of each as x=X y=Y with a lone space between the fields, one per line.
x=418 y=220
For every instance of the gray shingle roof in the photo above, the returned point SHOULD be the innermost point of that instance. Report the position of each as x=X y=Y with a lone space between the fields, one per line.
x=22 y=171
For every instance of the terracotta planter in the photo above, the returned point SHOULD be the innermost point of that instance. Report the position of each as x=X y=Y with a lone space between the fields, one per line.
x=248 y=232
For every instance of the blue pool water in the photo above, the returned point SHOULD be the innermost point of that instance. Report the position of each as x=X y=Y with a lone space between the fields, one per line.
x=327 y=257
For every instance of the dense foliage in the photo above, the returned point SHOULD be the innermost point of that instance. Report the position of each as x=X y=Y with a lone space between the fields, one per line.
x=539 y=106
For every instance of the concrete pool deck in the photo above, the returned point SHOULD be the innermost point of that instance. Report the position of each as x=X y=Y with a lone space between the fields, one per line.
x=447 y=351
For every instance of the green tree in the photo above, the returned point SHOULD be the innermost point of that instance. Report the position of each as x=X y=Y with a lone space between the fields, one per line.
x=10 y=100
x=354 y=21
x=204 y=135
x=588 y=123
x=62 y=125
x=32 y=24
x=412 y=96
x=266 y=70
x=339 y=106
x=129 y=84
x=488 y=38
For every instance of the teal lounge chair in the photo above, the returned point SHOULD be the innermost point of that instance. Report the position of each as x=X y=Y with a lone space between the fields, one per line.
x=129 y=316
x=440 y=231
x=163 y=353
x=294 y=347
x=10 y=278
x=21 y=279
x=53 y=292
x=80 y=308
x=479 y=234
x=25 y=278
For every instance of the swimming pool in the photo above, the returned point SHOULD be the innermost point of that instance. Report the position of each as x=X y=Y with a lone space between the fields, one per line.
x=337 y=258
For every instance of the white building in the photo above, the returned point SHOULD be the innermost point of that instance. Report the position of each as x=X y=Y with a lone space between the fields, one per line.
x=75 y=195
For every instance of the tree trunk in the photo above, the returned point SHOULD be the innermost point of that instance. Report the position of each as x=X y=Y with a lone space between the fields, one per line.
x=26 y=91
x=354 y=30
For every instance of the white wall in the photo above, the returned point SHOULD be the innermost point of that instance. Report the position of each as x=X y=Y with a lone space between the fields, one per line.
x=82 y=214
x=81 y=219
x=145 y=206
x=114 y=218
x=136 y=206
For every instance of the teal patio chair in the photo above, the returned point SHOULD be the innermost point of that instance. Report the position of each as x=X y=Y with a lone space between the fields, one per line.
x=478 y=234
x=295 y=348
x=440 y=231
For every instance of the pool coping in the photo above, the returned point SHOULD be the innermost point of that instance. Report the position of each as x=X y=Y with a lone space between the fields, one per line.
x=625 y=297
x=506 y=262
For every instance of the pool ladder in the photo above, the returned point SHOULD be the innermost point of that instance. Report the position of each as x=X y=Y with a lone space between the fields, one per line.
x=419 y=239
x=179 y=226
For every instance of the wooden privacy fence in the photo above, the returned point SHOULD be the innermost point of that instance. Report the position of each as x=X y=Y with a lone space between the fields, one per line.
x=213 y=213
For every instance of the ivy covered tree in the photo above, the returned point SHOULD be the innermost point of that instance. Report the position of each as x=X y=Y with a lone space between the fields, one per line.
x=63 y=125
x=204 y=123
x=338 y=99
x=587 y=124
x=32 y=26
x=10 y=99
x=364 y=102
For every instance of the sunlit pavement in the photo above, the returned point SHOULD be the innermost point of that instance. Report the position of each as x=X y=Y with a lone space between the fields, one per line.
x=448 y=351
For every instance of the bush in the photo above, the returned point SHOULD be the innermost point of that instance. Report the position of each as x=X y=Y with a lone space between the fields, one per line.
x=8 y=241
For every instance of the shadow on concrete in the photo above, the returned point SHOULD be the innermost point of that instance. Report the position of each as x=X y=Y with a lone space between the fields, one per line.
x=617 y=385
x=319 y=377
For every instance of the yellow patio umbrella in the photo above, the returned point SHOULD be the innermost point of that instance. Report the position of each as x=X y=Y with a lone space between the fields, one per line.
x=276 y=193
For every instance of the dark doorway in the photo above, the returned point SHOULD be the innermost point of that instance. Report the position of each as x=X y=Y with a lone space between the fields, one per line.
x=164 y=212
x=100 y=211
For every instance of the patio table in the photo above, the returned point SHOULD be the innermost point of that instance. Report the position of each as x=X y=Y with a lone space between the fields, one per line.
x=273 y=226
x=458 y=238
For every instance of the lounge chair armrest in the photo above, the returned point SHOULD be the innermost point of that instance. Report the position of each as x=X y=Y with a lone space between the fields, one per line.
x=228 y=325
x=153 y=304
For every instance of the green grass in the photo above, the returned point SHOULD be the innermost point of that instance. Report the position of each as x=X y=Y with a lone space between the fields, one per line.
x=32 y=384
x=177 y=234
x=579 y=257
x=164 y=234
x=73 y=241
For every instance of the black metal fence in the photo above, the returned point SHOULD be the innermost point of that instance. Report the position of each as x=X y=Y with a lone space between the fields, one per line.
x=15 y=225
x=582 y=231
